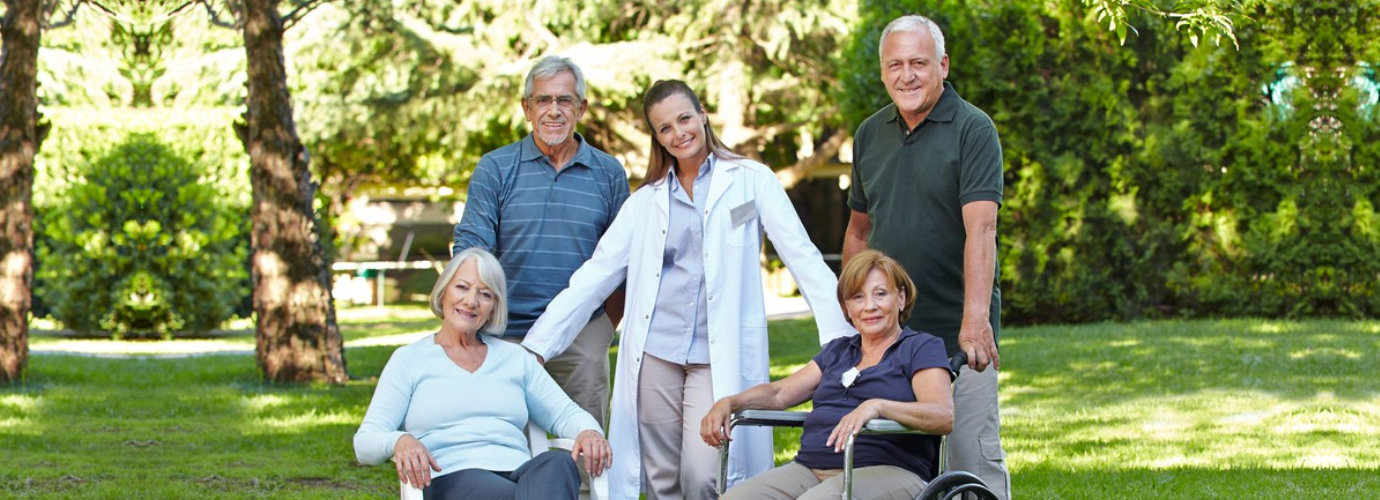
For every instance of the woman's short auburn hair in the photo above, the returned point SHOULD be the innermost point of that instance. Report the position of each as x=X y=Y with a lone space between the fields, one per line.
x=855 y=273
x=490 y=272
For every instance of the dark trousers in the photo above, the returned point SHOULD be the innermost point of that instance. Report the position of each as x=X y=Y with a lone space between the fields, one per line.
x=550 y=475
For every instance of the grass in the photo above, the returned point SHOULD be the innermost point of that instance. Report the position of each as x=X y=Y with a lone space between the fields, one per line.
x=1182 y=409
x=1191 y=409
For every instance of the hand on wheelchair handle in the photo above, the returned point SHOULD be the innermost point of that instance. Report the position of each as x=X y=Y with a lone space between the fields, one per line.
x=592 y=452
x=958 y=361
x=714 y=427
x=414 y=462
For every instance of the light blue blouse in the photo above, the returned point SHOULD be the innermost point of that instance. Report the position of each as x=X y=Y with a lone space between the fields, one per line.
x=680 y=324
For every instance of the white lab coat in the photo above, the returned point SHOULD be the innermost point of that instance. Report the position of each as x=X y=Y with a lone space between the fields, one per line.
x=741 y=191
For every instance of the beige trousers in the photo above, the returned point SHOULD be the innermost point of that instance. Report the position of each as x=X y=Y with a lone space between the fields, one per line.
x=792 y=481
x=672 y=399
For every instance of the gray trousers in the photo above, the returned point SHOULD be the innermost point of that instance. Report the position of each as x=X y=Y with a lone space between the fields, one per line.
x=975 y=443
x=548 y=476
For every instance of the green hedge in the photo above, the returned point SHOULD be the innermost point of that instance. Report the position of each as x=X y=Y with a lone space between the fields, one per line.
x=146 y=238
x=1158 y=179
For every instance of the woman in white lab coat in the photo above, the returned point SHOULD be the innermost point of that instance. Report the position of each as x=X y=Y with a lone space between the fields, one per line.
x=695 y=328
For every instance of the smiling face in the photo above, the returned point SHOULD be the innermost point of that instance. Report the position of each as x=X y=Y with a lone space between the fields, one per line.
x=914 y=78
x=876 y=307
x=679 y=128
x=554 y=108
x=468 y=302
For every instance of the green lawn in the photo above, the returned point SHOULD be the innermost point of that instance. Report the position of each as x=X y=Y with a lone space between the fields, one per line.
x=1225 y=409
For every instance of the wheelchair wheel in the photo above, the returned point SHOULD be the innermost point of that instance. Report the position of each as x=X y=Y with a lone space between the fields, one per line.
x=957 y=485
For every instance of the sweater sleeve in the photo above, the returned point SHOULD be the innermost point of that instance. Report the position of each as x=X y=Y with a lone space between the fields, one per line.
x=550 y=407
x=383 y=420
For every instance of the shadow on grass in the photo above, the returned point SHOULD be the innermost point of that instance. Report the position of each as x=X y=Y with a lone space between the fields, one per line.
x=183 y=428
x=1104 y=362
x=1195 y=483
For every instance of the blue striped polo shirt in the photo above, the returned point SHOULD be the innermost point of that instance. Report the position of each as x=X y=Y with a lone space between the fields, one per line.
x=540 y=223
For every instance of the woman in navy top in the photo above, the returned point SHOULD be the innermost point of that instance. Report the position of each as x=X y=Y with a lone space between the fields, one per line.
x=885 y=371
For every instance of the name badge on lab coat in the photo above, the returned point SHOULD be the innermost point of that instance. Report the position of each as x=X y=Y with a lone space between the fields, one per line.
x=742 y=213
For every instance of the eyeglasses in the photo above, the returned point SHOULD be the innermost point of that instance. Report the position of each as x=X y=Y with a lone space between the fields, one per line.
x=563 y=101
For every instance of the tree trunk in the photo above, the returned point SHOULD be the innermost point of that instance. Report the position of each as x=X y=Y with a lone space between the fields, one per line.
x=19 y=140
x=298 y=339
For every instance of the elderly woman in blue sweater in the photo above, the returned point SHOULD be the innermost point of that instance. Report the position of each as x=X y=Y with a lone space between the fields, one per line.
x=451 y=409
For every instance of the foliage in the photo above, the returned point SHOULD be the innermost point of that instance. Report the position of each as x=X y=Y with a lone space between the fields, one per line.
x=1199 y=19
x=143 y=242
x=412 y=93
x=1160 y=179
x=409 y=94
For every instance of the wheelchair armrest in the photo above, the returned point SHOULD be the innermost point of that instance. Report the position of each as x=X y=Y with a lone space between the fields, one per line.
x=882 y=425
x=771 y=418
x=598 y=486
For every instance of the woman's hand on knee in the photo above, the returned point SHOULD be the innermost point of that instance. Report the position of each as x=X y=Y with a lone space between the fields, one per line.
x=414 y=462
x=598 y=456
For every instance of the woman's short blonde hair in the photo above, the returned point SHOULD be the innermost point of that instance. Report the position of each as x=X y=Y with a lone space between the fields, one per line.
x=855 y=273
x=491 y=273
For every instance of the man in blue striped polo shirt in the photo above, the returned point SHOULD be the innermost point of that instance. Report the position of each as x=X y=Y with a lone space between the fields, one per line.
x=541 y=204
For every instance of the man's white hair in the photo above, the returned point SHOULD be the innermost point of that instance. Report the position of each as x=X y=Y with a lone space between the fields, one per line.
x=913 y=24
x=549 y=67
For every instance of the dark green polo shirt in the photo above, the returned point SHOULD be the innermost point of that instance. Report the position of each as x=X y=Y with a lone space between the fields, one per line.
x=913 y=186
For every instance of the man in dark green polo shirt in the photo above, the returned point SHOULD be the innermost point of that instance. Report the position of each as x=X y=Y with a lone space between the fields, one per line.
x=926 y=185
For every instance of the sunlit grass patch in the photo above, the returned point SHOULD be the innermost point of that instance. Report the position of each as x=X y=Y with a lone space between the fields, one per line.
x=1230 y=395
x=361 y=323
x=1173 y=409
x=301 y=422
x=782 y=371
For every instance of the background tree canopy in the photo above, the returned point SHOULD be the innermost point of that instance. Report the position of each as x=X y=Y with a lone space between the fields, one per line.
x=1150 y=172
x=1160 y=179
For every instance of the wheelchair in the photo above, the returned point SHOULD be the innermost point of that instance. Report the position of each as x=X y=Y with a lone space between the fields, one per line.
x=948 y=485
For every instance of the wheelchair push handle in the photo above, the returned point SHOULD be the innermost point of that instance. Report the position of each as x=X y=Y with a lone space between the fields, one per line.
x=958 y=361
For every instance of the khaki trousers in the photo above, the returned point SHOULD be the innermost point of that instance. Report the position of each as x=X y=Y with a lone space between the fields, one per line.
x=792 y=481
x=672 y=399
x=582 y=370
x=975 y=443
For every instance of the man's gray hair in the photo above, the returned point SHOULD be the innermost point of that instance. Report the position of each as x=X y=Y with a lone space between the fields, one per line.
x=549 y=67
x=913 y=24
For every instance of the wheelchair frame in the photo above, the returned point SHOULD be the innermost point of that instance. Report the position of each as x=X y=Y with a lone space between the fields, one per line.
x=948 y=485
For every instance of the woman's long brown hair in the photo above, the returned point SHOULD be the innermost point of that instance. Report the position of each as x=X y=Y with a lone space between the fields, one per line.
x=660 y=160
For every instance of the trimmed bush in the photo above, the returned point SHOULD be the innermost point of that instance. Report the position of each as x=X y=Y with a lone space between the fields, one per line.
x=143 y=244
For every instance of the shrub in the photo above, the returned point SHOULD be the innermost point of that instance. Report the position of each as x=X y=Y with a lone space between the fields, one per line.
x=1159 y=179
x=143 y=244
